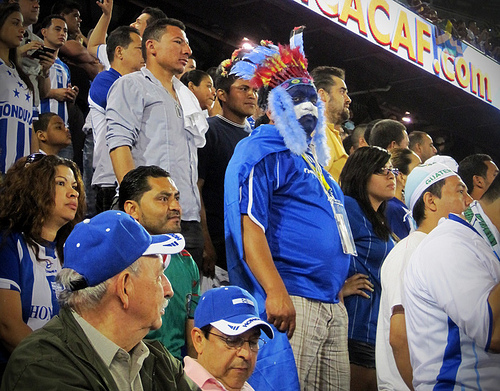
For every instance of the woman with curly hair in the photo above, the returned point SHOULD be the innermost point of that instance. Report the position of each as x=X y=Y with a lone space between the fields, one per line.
x=41 y=200
x=368 y=181
x=16 y=91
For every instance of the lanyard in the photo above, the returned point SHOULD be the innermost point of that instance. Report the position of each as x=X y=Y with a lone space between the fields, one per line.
x=339 y=213
x=318 y=172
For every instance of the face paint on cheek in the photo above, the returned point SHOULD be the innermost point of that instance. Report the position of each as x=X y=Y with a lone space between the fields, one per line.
x=305 y=108
x=307 y=115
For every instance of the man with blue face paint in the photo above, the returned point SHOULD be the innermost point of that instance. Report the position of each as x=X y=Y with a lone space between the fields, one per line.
x=305 y=99
x=287 y=240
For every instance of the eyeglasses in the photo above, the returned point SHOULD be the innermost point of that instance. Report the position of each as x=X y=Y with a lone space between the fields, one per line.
x=385 y=171
x=237 y=342
x=33 y=158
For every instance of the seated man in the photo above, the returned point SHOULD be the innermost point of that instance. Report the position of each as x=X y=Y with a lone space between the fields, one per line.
x=225 y=320
x=112 y=292
x=52 y=133
x=150 y=196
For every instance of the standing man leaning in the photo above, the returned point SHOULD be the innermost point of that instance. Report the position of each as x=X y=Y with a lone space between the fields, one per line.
x=112 y=292
x=238 y=101
x=330 y=83
x=150 y=196
x=146 y=124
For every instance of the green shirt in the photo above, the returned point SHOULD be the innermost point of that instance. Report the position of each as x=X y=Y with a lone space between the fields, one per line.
x=184 y=277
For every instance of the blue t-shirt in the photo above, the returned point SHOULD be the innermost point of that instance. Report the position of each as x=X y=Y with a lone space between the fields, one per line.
x=363 y=313
x=399 y=218
x=100 y=86
x=34 y=278
x=288 y=202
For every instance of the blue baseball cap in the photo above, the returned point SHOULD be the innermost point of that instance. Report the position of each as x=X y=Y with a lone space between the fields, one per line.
x=101 y=247
x=231 y=310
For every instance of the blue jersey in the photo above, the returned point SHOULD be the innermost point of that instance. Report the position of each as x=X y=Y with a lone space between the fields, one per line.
x=280 y=192
x=98 y=100
x=363 y=313
x=16 y=112
x=399 y=218
x=33 y=277
x=60 y=77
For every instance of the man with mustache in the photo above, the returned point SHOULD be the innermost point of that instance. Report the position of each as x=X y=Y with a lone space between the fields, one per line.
x=112 y=292
x=149 y=195
x=146 y=123
x=227 y=339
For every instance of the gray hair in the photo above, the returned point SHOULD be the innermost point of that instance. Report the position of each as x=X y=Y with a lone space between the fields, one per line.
x=87 y=298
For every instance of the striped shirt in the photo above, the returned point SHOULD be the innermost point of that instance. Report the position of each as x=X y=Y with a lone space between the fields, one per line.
x=33 y=277
x=363 y=313
x=16 y=112
x=59 y=78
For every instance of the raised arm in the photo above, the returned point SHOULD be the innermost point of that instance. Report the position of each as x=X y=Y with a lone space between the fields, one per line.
x=98 y=36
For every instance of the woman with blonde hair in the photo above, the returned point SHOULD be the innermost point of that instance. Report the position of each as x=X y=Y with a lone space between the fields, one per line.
x=41 y=200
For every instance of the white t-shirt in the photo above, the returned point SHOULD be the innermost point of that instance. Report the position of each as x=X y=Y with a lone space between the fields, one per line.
x=393 y=268
x=102 y=56
x=448 y=317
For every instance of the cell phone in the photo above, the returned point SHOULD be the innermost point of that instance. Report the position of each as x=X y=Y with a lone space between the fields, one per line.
x=43 y=50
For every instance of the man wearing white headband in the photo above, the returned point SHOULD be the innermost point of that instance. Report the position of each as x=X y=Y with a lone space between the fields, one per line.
x=432 y=192
x=452 y=304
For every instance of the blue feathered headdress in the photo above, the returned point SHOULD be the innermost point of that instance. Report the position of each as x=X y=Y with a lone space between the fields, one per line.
x=271 y=67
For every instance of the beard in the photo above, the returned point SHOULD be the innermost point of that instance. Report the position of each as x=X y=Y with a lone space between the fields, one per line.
x=344 y=115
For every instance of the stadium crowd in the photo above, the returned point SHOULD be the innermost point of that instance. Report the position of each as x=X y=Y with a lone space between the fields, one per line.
x=293 y=252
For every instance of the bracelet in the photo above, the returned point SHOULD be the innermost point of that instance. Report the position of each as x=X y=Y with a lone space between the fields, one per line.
x=45 y=76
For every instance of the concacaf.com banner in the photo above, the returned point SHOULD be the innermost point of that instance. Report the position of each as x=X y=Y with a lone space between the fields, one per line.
x=414 y=39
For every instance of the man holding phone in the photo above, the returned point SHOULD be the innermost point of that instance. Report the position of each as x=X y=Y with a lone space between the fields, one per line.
x=55 y=34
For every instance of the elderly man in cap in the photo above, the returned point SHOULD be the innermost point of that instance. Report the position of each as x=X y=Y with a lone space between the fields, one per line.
x=113 y=291
x=227 y=339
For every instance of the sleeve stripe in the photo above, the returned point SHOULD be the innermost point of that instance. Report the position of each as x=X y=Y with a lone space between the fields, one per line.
x=9 y=284
x=250 y=201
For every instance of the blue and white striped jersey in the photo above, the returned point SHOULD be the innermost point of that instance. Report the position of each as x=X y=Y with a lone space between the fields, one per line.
x=34 y=278
x=60 y=77
x=16 y=114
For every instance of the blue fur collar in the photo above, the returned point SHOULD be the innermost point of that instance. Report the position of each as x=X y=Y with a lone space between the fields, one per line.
x=283 y=115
